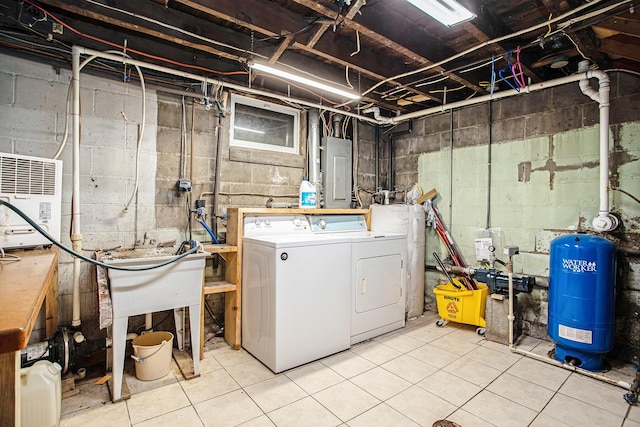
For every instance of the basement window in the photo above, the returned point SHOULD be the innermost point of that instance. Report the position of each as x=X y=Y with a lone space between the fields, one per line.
x=263 y=125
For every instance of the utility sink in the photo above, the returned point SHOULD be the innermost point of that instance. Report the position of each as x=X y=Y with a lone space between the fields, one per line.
x=173 y=286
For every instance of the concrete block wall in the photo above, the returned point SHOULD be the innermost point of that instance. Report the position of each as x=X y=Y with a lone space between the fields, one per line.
x=544 y=183
x=32 y=107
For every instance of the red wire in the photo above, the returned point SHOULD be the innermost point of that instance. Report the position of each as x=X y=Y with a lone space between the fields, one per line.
x=516 y=69
x=159 y=58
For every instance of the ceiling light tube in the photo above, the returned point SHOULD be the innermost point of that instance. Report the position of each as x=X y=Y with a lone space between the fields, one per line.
x=303 y=80
x=448 y=12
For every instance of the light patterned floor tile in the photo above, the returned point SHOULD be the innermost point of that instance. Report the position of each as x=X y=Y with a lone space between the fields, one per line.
x=249 y=372
x=466 y=419
x=229 y=409
x=527 y=343
x=381 y=415
x=634 y=412
x=551 y=377
x=425 y=334
x=275 y=393
x=543 y=420
x=421 y=406
x=375 y=352
x=208 y=386
x=630 y=423
x=577 y=413
x=107 y=415
x=498 y=410
x=348 y=364
x=381 y=383
x=596 y=393
x=472 y=371
x=401 y=342
x=346 y=400
x=227 y=356
x=468 y=333
x=314 y=377
x=496 y=359
x=409 y=368
x=454 y=345
x=209 y=363
x=305 y=412
x=534 y=396
x=261 y=421
x=185 y=417
x=153 y=403
x=449 y=387
x=433 y=356
x=137 y=386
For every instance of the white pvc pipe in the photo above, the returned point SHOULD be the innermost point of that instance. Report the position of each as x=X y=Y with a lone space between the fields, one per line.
x=604 y=221
x=148 y=321
x=76 y=234
x=160 y=68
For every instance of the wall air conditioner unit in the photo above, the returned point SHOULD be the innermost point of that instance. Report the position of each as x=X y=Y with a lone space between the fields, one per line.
x=34 y=186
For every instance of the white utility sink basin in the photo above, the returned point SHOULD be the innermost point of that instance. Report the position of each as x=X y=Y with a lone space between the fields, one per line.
x=176 y=285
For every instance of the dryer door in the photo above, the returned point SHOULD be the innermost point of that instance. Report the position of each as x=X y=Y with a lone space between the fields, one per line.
x=378 y=282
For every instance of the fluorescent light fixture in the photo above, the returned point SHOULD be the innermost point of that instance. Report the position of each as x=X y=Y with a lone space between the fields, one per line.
x=303 y=80
x=448 y=12
x=249 y=130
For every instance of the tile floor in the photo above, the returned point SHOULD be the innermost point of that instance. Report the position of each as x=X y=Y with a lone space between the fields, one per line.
x=411 y=377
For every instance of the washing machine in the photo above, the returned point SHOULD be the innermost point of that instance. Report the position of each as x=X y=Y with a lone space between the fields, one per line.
x=377 y=284
x=295 y=291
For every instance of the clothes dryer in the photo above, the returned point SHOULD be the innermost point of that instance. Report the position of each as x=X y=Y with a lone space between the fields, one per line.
x=377 y=284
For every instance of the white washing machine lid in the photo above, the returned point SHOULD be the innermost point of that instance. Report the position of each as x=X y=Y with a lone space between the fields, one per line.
x=369 y=236
x=292 y=241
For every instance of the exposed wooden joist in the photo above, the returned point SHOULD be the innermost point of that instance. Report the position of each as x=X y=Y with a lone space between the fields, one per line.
x=621 y=24
x=390 y=44
x=622 y=46
x=353 y=11
x=79 y=8
x=270 y=21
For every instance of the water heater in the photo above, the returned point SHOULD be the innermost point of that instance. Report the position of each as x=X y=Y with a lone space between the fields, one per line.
x=34 y=186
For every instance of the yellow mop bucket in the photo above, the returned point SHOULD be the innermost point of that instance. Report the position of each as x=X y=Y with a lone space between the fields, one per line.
x=152 y=353
x=462 y=305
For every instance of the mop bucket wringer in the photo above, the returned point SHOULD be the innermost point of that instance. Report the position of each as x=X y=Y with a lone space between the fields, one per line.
x=458 y=304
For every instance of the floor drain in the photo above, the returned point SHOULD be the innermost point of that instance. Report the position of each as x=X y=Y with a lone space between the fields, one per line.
x=445 y=423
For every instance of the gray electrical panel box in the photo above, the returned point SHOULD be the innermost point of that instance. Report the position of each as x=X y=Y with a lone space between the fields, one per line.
x=336 y=164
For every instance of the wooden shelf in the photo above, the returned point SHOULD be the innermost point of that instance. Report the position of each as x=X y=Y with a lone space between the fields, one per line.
x=220 y=249
x=218 y=287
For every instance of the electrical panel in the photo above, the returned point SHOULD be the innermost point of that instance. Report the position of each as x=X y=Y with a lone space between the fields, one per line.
x=33 y=185
x=336 y=163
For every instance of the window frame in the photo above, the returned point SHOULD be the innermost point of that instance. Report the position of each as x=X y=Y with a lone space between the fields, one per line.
x=267 y=106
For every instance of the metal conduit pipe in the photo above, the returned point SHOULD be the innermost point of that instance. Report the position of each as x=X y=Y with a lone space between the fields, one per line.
x=314 y=146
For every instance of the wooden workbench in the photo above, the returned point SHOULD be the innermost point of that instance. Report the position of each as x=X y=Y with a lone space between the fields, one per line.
x=24 y=286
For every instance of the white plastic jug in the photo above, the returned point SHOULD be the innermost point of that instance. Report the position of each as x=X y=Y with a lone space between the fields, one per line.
x=308 y=195
x=40 y=394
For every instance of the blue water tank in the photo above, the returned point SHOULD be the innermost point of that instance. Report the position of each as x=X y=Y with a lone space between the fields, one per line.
x=582 y=299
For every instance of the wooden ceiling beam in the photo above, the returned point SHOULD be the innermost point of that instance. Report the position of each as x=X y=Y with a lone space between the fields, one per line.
x=270 y=21
x=622 y=46
x=388 y=43
x=79 y=8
